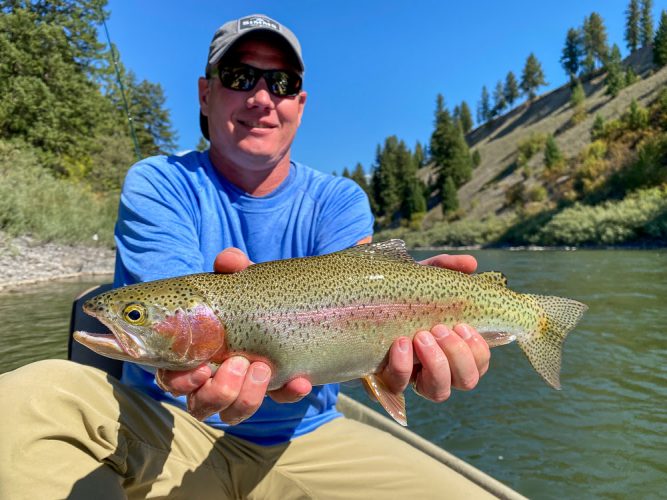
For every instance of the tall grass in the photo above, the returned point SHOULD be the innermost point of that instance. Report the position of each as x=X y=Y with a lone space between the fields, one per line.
x=34 y=202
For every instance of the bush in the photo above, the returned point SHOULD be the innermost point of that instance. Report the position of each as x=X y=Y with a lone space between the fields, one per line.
x=33 y=202
x=641 y=215
x=597 y=130
x=552 y=155
x=529 y=147
x=636 y=118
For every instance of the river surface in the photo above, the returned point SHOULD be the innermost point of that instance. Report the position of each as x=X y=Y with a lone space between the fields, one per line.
x=603 y=436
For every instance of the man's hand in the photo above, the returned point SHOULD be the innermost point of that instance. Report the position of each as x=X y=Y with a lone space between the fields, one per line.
x=238 y=387
x=448 y=357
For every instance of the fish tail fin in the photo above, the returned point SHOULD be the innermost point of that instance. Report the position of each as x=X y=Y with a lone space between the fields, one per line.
x=544 y=346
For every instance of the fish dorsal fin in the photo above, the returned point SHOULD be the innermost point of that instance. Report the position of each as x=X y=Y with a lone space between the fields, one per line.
x=384 y=250
x=495 y=277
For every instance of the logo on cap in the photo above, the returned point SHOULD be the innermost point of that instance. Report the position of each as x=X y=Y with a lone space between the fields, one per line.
x=258 y=22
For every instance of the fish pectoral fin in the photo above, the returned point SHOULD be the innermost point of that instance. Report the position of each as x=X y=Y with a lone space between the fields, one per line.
x=393 y=403
x=495 y=339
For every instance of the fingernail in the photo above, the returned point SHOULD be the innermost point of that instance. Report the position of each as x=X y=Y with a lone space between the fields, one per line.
x=440 y=332
x=259 y=373
x=425 y=338
x=403 y=344
x=464 y=331
x=238 y=365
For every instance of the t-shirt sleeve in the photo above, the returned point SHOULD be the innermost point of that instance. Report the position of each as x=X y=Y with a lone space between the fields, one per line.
x=345 y=217
x=156 y=230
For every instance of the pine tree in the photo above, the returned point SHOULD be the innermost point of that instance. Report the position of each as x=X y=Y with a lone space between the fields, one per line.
x=385 y=183
x=578 y=102
x=532 y=77
x=449 y=150
x=660 y=42
x=499 y=102
x=552 y=155
x=412 y=189
x=595 y=40
x=571 y=53
x=615 y=77
x=632 y=25
x=346 y=173
x=646 y=23
x=484 y=107
x=450 y=197
x=202 y=145
x=511 y=89
x=597 y=130
x=419 y=156
x=466 y=117
x=476 y=158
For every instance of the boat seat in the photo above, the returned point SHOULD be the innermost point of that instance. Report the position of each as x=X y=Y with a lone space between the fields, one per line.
x=79 y=320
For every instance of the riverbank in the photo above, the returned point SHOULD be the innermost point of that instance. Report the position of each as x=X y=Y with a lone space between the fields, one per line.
x=24 y=260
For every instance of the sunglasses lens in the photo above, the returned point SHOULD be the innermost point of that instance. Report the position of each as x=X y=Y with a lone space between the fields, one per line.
x=238 y=77
x=243 y=77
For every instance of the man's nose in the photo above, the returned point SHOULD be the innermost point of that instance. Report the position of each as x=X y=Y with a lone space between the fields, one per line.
x=260 y=95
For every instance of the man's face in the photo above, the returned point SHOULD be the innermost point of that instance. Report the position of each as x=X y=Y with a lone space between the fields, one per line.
x=251 y=129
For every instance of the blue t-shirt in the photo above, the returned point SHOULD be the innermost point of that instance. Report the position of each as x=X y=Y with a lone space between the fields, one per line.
x=177 y=213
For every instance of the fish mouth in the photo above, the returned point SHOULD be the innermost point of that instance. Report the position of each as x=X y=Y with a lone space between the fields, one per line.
x=119 y=344
x=108 y=345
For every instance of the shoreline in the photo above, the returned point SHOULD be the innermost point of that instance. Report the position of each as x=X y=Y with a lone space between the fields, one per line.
x=25 y=261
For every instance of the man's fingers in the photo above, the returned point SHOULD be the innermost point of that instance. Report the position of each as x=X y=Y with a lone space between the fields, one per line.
x=250 y=396
x=462 y=363
x=221 y=391
x=397 y=372
x=182 y=382
x=292 y=391
x=433 y=381
x=478 y=346
x=231 y=260
x=463 y=263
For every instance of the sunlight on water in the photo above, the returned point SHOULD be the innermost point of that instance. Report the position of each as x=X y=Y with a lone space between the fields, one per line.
x=603 y=435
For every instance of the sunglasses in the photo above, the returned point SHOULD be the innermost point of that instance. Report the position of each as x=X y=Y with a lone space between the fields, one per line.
x=243 y=77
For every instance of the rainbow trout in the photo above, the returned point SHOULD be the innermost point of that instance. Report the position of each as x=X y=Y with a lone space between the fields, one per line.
x=329 y=318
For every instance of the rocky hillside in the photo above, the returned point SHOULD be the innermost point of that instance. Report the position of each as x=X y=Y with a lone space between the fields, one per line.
x=497 y=141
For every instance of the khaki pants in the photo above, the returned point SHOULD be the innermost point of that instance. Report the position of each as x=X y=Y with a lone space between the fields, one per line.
x=71 y=431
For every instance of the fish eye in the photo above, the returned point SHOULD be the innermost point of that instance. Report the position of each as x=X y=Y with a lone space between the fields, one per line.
x=135 y=314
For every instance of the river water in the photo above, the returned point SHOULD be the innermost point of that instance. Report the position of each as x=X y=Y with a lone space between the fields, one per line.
x=603 y=435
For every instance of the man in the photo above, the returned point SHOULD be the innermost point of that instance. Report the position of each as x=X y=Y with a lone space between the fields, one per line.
x=247 y=196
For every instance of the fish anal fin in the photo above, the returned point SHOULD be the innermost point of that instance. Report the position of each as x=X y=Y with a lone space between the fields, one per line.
x=496 y=339
x=393 y=403
x=495 y=277
x=385 y=250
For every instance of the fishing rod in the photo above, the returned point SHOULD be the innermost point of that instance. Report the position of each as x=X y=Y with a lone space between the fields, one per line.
x=130 y=121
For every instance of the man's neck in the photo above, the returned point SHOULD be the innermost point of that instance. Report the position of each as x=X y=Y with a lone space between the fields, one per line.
x=257 y=182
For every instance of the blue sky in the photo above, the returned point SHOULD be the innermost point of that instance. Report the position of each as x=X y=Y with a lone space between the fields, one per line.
x=373 y=68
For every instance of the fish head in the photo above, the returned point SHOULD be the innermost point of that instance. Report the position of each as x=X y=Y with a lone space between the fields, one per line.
x=166 y=324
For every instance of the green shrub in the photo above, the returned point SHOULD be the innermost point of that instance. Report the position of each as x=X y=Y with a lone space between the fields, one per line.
x=640 y=215
x=529 y=147
x=33 y=202
x=537 y=193
x=636 y=118
x=597 y=130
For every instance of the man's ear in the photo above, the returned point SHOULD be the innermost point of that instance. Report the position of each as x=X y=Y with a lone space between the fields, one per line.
x=203 y=88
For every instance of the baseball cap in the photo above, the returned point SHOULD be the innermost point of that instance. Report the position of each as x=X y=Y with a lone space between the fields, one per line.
x=232 y=31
